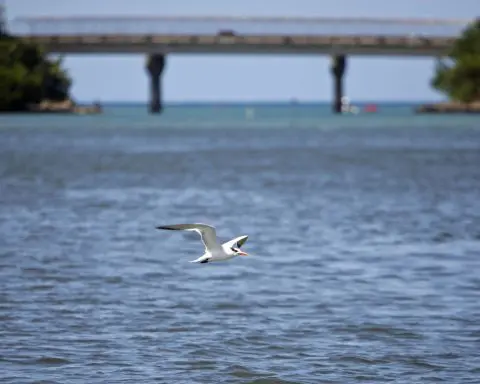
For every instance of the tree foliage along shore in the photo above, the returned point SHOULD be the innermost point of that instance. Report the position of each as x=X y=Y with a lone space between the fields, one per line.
x=458 y=76
x=27 y=76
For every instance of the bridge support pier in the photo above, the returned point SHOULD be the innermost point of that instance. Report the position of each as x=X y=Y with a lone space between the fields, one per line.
x=155 y=65
x=339 y=64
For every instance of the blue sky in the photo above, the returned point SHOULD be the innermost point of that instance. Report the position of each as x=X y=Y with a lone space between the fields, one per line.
x=247 y=77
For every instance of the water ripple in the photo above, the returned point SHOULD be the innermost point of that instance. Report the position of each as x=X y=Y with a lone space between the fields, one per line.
x=364 y=255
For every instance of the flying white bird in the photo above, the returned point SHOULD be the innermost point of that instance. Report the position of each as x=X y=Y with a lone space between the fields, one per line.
x=213 y=250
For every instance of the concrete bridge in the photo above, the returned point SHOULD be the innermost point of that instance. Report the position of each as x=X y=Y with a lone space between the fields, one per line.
x=159 y=36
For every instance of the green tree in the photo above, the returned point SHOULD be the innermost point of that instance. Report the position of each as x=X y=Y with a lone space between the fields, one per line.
x=458 y=75
x=27 y=76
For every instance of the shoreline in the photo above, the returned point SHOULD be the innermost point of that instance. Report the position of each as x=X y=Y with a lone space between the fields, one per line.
x=448 y=107
x=59 y=107
x=67 y=106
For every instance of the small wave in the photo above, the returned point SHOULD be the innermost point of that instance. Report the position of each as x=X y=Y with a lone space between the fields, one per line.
x=178 y=329
x=241 y=372
x=273 y=380
x=442 y=237
x=196 y=364
x=228 y=306
x=113 y=279
x=372 y=330
x=359 y=359
x=421 y=362
x=154 y=275
x=40 y=287
x=46 y=360
x=391 y=331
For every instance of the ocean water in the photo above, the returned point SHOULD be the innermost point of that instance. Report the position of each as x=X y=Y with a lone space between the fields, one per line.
x=364 y=243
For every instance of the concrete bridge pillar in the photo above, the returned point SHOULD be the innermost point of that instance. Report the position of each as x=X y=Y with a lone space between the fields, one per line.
x=339 y=64
x=155 y=65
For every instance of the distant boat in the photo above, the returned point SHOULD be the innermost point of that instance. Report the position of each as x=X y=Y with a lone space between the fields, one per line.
x=347 y=107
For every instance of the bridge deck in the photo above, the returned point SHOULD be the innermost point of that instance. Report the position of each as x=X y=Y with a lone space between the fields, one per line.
x=296 y=44
x=215 y=34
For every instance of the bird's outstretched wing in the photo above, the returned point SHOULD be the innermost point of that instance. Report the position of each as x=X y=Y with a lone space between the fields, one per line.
x=237 y=242
x=207 y=233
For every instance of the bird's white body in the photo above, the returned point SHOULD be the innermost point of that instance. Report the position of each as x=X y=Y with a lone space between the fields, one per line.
x=214 y=251
x=221 y=253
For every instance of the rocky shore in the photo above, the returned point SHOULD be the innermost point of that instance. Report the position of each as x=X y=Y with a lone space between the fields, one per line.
x=449 y=107
x=66 y=106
